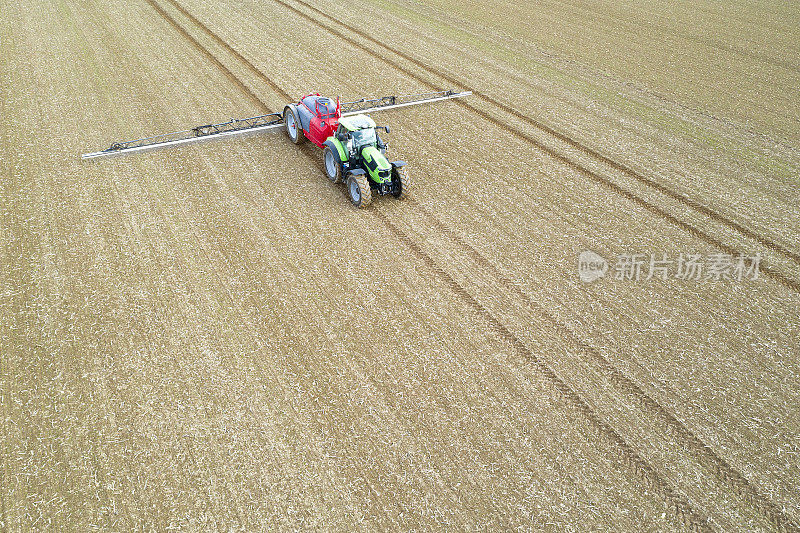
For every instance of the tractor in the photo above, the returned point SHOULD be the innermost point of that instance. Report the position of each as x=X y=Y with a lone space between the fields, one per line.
x=352 y=149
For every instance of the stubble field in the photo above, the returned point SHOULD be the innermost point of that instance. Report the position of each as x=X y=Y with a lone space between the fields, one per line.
x=212 y=337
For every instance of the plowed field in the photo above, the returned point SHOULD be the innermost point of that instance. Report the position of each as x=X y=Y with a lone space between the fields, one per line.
x=212 y=337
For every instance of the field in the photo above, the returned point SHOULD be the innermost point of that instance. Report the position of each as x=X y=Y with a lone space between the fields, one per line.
x=213 y=338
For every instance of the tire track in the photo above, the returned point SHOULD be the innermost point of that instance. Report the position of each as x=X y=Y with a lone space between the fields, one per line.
x=211 y=57
x=676 y=502
x=663 y=189
x=263 y=77
x=636 y=27
x=306 y=149
x=702 y=452
x=583 y=70
x=239 y=83
x=723 y=469
x=689 y=202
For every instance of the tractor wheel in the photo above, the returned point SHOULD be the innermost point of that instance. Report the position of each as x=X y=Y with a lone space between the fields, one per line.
x=293 y=127
x=401 y=181
x=358 y=188
x=332 y=167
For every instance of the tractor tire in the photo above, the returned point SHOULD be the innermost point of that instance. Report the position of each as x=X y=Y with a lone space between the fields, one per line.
x=400 y=177
x=332 y=167
x=293 y=127
x=359 y=190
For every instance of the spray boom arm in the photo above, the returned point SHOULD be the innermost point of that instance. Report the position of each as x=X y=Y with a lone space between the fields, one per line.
x=266 y=122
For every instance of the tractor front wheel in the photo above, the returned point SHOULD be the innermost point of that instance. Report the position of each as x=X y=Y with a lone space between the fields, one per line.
x=332 y=167
x=358 y=188
x=293 y=128
x=401 y=182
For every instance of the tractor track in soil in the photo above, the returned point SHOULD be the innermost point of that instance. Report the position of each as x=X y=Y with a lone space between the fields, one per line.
x=722 y=469
x=623 y=22
x=698 y=207
x=675 y=502
x=629 y=388
x=640 y=90
x=211 y=57
x=678 y=504
x=308 y=150
x=255 y=70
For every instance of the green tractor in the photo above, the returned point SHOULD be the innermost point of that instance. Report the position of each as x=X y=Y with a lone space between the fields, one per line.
x=356 y=154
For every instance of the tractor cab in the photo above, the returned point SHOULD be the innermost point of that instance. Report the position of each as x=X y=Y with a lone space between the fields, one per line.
x=357 y=133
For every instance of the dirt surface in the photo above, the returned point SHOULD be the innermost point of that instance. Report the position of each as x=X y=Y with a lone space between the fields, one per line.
x=212 y=337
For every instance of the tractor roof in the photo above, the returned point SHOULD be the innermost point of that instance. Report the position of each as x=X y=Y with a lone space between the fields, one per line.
x=358 y=122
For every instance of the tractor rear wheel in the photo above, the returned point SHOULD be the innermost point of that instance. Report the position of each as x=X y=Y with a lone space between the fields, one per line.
x=401 y=181
x=332 y=167
x=358 y=188
x=293 y=127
